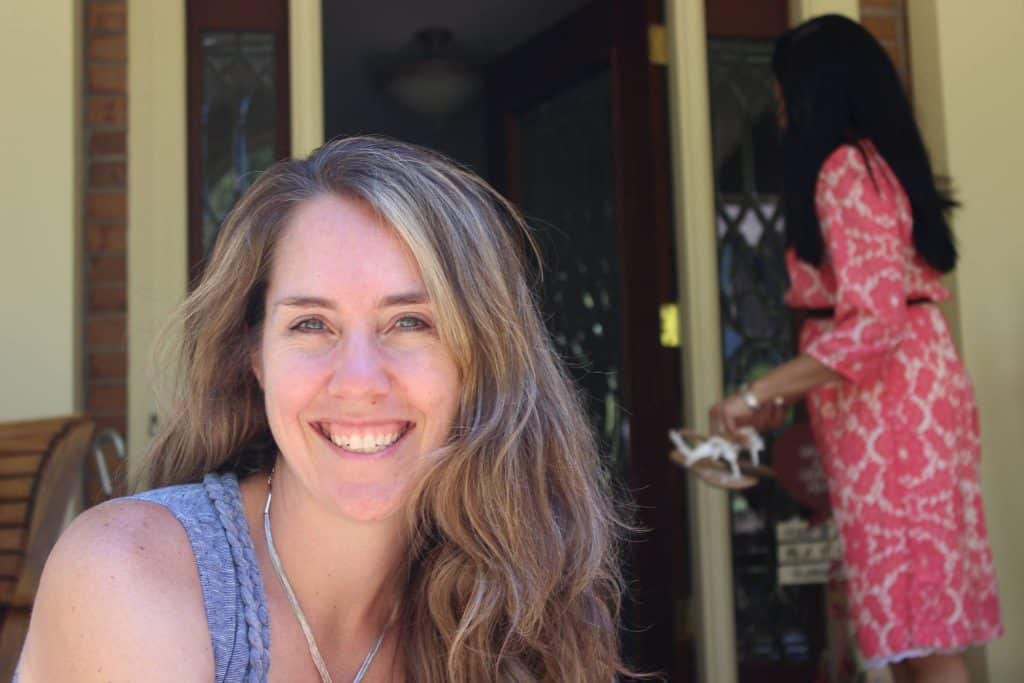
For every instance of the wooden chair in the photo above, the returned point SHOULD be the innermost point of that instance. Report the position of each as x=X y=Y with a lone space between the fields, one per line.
x=41 y=475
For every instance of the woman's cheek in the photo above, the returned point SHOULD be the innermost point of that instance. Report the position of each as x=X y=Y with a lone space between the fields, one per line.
x=292 y=373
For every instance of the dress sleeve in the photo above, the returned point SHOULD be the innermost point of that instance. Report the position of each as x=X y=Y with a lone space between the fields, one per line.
x=862 y=234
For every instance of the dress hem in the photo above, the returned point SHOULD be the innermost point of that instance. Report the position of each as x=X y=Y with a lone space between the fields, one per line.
x=918 y=652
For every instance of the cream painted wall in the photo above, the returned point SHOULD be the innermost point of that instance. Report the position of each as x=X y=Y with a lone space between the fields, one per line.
x=40 y=327
x=157 y=199
x=967 y=78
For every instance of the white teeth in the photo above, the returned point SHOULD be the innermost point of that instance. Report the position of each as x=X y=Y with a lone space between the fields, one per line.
x=364 y=443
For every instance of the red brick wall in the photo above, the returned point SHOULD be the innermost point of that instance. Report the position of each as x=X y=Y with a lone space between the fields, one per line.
x=887 y=21
x=105 y=211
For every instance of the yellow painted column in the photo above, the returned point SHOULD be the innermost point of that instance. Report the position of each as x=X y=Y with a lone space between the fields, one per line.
x=305 y=39
x=697 y=269
x=40 y=134
x=967 y=83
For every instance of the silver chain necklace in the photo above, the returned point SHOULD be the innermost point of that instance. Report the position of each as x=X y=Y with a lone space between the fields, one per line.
x=314 y=651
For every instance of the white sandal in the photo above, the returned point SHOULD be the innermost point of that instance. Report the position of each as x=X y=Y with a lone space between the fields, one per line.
x=716 y=460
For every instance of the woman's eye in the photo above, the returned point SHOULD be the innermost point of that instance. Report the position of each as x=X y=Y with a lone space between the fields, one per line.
x=411 y=323
x=310 y=325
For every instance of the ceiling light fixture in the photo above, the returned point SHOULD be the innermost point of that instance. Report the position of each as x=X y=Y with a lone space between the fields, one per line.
x=432 y=77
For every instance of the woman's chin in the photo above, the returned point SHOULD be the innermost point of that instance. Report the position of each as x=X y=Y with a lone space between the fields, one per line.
x=369 y=506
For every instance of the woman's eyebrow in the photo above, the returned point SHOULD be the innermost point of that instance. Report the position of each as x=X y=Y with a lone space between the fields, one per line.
x=405 y=299
x=305 y=302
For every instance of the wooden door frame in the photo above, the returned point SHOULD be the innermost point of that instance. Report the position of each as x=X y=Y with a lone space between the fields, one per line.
x=231 y=16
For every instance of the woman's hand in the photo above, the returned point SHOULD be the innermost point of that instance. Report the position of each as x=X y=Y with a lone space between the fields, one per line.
x=731 y=413
x=788 y=382
x=728 y=415
x=771 y=415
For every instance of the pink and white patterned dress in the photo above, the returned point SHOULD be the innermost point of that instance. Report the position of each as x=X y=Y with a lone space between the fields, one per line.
x=899 y=434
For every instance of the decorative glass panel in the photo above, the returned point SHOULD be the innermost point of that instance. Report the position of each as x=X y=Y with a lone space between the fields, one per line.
x=756 y=331
x=778 y=628
x=238 y=120
x=568 y=196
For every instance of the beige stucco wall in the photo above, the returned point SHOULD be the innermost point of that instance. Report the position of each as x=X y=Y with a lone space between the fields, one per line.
x=967 y=77
x=39 y=208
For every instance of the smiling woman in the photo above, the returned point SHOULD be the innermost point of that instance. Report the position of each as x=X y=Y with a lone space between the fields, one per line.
x=358 y=385
x=365 y=342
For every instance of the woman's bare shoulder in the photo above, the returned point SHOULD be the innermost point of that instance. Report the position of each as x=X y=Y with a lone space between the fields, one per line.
x=119 y=599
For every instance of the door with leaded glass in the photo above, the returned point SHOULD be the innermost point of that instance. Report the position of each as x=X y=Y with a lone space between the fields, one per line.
x=781 y=625
x=577 y=126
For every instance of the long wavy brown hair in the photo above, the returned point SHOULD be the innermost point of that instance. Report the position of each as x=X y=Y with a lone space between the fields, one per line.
x=513 y=571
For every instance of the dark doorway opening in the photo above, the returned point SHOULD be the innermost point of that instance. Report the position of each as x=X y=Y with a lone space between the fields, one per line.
x=567 y=117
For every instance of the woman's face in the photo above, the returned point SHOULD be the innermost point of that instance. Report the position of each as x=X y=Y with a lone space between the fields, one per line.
x=358 y=385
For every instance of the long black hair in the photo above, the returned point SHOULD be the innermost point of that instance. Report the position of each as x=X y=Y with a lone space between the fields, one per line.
x=840 y=87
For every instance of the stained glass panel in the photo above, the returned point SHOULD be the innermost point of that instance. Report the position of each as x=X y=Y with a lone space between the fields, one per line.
x=756 y=330
x=238 y=120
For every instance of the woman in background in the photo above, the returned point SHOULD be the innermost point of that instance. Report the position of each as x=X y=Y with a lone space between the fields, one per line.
x=891 y=407
x=376 y=467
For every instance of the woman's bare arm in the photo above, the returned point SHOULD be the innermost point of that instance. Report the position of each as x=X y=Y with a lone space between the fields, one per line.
x=791 y=380
x=119 y=600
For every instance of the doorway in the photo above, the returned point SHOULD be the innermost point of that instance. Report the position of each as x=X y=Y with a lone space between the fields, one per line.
x=563 y=111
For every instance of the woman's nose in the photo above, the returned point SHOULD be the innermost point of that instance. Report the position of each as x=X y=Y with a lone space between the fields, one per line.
x=359 y=368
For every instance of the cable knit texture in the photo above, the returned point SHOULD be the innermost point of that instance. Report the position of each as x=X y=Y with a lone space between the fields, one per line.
x=236 y=608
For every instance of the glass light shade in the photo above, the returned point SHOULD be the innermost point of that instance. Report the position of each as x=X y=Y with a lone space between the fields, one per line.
x=434 y=87
x=432 y=79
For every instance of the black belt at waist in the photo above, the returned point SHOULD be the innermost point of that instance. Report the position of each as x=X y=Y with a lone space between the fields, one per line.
x=831 y=312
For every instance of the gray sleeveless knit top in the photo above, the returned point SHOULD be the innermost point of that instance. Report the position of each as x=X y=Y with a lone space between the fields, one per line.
x=236 y=608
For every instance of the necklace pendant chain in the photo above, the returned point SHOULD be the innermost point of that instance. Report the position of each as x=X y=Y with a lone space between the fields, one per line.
x=307 y=631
